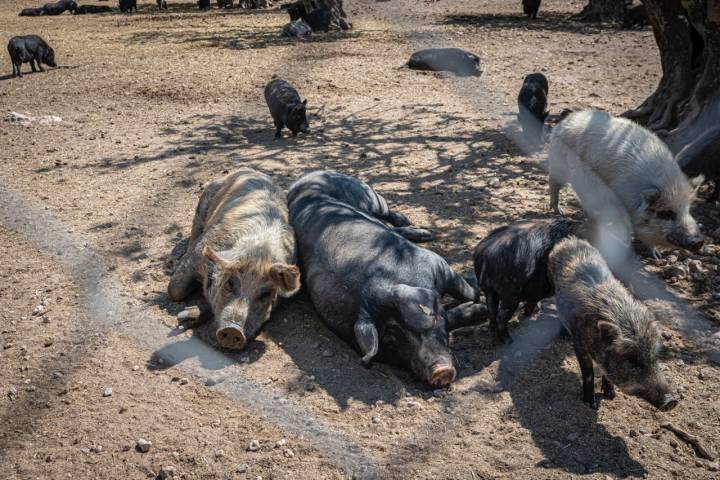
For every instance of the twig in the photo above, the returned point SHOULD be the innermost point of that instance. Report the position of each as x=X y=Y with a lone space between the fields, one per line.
x=691 y=439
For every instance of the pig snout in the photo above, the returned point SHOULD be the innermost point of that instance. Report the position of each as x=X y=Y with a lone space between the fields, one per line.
x=441 y=374
x=229 y=327
x=689 y=242
x=659 y=396
x=666 y=403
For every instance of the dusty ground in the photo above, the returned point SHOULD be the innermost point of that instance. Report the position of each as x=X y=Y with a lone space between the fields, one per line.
x=154 y=105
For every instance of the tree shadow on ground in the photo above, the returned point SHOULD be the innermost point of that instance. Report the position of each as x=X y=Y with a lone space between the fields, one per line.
x=549 y=22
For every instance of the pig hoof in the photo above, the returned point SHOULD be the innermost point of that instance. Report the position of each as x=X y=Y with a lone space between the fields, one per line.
x=442 y=375
x=656 y=254
x=609 y=393
x=592 y=402
x=231 y=337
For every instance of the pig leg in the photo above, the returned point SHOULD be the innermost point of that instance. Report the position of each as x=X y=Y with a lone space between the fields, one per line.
x=32 y=65
x=367 y=338
x=492 y=301
x=555 y=196
x=278 y=128
x=715 y=195
x=467 y=314
x=193 y=316
x=505 y=313
x=182 y=280
x=588 y=374
x=530 y=308
x=414 y=234
x=608 y=390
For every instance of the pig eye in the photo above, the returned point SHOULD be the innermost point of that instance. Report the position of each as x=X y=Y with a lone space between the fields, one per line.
x=666 y=214
x=265 y=295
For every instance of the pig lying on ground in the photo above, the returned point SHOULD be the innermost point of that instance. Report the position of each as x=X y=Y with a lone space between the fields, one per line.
x=608 y=326
x=531 y=7
x=702 y=157
x=371 y=286
x=532 y=107
x=90 y=9
x=31 y=12
x=511 y=267
x=242 y=250
x=30 y=49
x=205 y=4
x=454 y=60
x=296 y=29
x=60 y=7
x=285 y=107
x=610 y=160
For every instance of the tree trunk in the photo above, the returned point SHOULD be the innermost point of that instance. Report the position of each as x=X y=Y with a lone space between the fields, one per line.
x=686 y=100
x=339 y=19
x=603 y=11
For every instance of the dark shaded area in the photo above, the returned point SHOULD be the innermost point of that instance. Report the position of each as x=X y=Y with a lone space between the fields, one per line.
x=549 y=22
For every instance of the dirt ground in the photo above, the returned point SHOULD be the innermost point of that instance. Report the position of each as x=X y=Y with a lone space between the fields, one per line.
x=156 y=104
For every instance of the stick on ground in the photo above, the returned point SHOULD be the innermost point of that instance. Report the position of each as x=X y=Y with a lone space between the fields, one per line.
x=691 y=439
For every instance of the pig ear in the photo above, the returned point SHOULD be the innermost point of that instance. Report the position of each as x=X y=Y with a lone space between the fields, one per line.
x=418 y=307
x=367 y=338
x=216 y=258
x=304 y=102
x=609 y=332
x=649 y=197
x=285 y=278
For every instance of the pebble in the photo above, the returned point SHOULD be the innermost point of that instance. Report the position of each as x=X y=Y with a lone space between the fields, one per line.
x=253 y=446
x=135 y=368
x=57 y=375
x=493 y=182
x=96 y=449
x=167 y=472
x=85 y=450
x=39 y=310
x=674 y=443
x=183 y=381
x=714 y=467
x=108 y=392
x=143 y=445
x=50 y=458
x=219 y=453
x=376 y=419
x=288 y=453
x=671 y=259
x=699 y=463
x=633 y=433
x=677 y=271
x=241 y=468
x=280 y=443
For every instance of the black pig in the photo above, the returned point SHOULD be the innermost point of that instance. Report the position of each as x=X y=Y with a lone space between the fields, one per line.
x=531 y=7
x=532 y=107
x=31 y=12
x=635 y=16
x=454 y=60
x=702 y=157
x=60 y=7
x=511 y=267
x=128 y=5
x=372 y=286
x=30 y=49
x=285 y=107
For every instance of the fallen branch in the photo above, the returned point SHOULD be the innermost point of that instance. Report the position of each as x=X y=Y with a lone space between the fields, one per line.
x=690 y=439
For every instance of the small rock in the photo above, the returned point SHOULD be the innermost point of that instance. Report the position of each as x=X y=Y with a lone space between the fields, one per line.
x=219 y=453
x=135 y=368
x=50 y=458
x=85 y=450
x=253 y=446
x=439 y=392
x=57 y=375
x=671 y=259
x=674 y=443
x=713 y=467
x=699 y=463
x=695 y=266
x=376 y=419
x=96 y=449
x=677 y=271
x=12 y=393
x=143 y=445
x=241 y=468
x=666 y=334
x=166 y=472
x=39 y=310
x=493 y=182
x=183 y=381
x=288 y=453
x=633 y=433
x=108 y=392
x=280 y=443
x=309 y=386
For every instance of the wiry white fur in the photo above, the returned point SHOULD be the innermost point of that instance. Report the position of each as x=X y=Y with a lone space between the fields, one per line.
x=610 y=162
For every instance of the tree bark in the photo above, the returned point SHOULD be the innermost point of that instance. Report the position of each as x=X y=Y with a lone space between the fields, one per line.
x=339 y=18
x=603 y=11
x=686 y=100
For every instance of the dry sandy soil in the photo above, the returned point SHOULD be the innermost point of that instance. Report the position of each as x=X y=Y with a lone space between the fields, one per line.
x=156 y=104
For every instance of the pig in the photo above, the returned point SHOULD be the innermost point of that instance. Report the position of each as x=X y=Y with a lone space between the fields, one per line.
x=511 y=267
x=369 y=283
x=532 y=107
x=243 y=251
x=204 y=4
x=126 y=6
x=454 y=60
x=531 y=7
x=296 y=10
x=319 y=19
x=296 y=29
x=614 y=160
x=608 y=326
x=286 y=108
x=162 y=4
x=60 y=7
x=635 y=16
x=86 y=9
x=30 y=49
x=31 y=12
x=702 y=157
